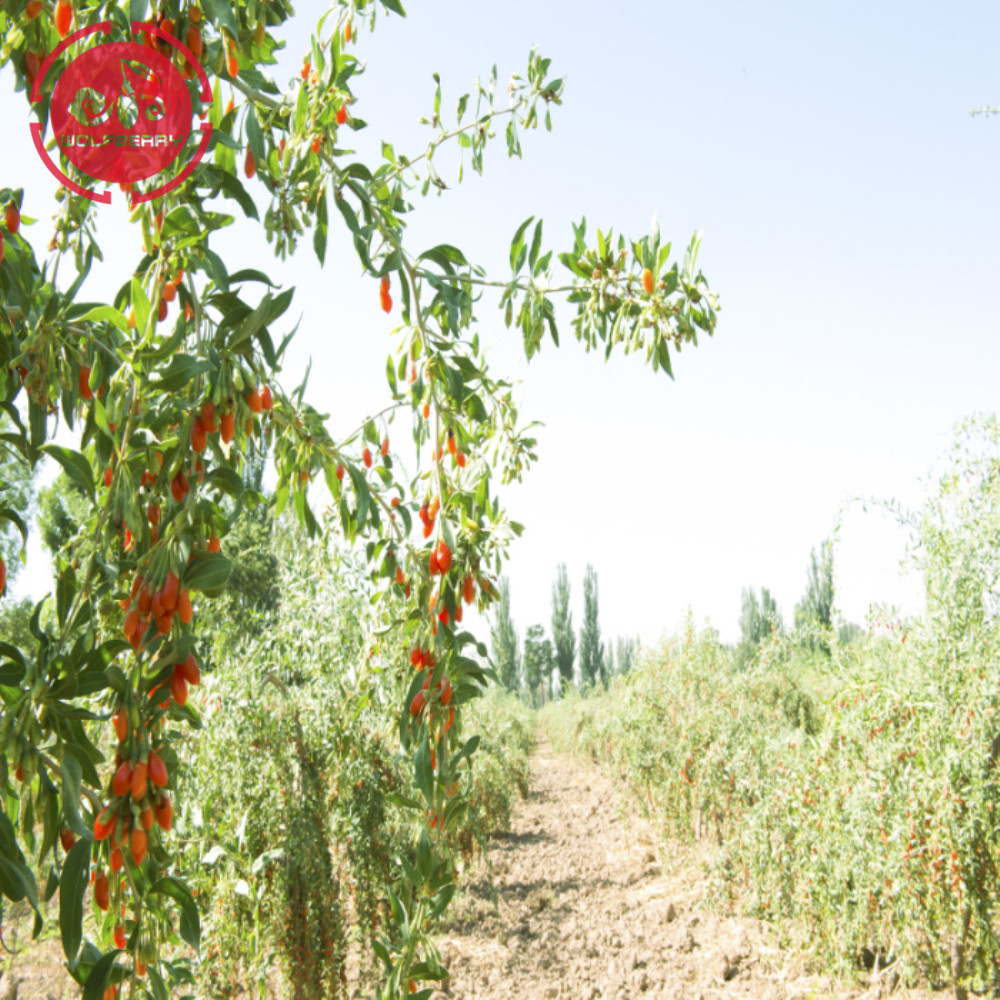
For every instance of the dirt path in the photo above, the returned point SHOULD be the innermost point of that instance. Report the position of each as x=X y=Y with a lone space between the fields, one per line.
x=585 y=907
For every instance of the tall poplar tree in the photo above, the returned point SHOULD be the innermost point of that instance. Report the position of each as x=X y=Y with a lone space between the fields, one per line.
x=592 y=668
x=562 y=627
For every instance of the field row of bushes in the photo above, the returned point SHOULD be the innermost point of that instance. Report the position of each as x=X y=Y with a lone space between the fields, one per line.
x=298 y=801
x=854 y=794
x=292 y=857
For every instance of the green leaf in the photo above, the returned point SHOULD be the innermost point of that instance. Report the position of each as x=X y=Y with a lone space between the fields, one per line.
x=255 y=137
x=322 y=224
x=517 y=244
x=208 y=571
x=362 y=492
x=18 y=882
x=222 y=14
x=106 y=314
x=424 y=772
x=536 y=245
x=190 y=922
x=301 y=108
x=100 y=976
x=72 y=887
x=72 y=775
x=234 y=188
x=76 y=467
x=181 y=370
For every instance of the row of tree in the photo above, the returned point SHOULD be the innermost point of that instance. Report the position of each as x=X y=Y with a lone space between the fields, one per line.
x=543 y=667
x=814 y=613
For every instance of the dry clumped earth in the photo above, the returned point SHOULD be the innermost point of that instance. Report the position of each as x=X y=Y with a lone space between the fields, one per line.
x=581 y=902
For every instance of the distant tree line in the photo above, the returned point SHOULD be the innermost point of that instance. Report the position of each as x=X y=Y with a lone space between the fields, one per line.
x=547 y=664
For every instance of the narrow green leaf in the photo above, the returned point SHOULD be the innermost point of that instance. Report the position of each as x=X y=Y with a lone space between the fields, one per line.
x=190 y=922
x=72 y=887
x=76 y=467
x=100 y=976
x=208 y=571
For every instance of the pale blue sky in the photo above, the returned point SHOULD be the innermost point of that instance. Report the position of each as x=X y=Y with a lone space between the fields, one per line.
x=850 y=221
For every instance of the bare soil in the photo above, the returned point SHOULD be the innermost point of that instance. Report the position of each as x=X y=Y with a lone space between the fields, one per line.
x=582 y=903
x=578 y=899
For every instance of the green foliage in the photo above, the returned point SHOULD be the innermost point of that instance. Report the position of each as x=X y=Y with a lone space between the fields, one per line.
x=17 y=494
x=15 y=618
x=563 y=635
x=814 y=613
x=506 y=657
x=854 y=805
x=538 y=663
x=133 y=390
x=62 y=510
x=593 y=669
x=251 y=595
x=627 y=649
x=757 y=619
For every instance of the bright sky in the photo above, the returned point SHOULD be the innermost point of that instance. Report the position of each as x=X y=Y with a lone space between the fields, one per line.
x=850 y=218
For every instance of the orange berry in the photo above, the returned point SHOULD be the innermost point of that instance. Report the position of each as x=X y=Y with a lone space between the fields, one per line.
x=117 y=860
x=138 y=845
x=316 y=144
x=164 y=813
x=232 y=63
x=227 y=427
x=84 y=382
x=33 y=9
x=178 y=688
x=342 y=114
x=348 y=32
x=161 y=314
x=340 y=471
x=253 y=401
x=443 y=556
x=208 y=417
x=63 y=18
x=249 y=165
x=214 y=545
x=101 y=891
x=194 y=39
x=306 y=69
x=647 y=280
x=169 y=292
x=199 y=438
x=157 y=770
x=366 y=457
x=138 y=781
x=12 y=218
x=189 y=670
x=184 y=611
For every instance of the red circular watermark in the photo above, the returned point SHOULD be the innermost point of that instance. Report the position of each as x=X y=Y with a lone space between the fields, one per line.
x=121 y=112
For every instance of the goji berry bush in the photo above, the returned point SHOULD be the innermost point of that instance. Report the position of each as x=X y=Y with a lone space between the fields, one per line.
x=857 y=805
x=162 y=396
x=291 y=858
